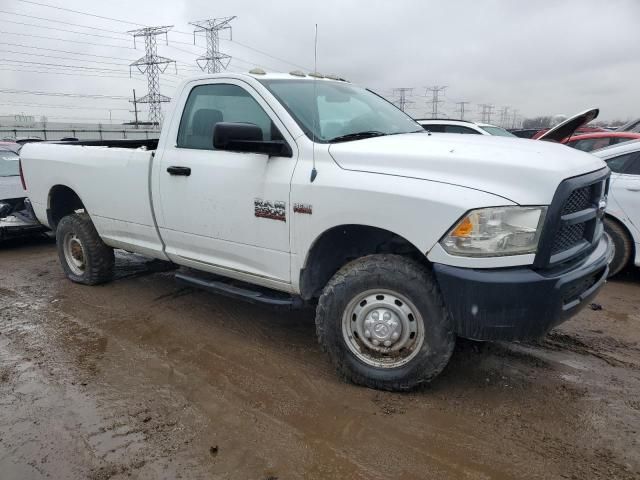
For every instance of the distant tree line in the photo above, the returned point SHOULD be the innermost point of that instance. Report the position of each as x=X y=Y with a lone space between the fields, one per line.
x=547 y=121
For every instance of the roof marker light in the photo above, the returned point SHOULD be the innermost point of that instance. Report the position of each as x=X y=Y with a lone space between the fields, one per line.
x=297 y=73
x=257 y=71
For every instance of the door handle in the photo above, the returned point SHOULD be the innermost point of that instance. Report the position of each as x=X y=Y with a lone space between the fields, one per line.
x=633 y=189
x=184 y=171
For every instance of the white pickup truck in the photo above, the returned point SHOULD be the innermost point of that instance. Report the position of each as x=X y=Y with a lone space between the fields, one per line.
x=290 y=189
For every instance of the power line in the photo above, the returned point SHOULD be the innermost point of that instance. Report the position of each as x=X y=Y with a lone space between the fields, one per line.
x=72 y=73
x=62 y=22
x=61 y=94
x=244 y=45
x=269 y=55
x=48 y=105
x=80 y=13
x=61 y=29
x=62 y=65
x=128 y=60
x=66 y=40
x=61 y=58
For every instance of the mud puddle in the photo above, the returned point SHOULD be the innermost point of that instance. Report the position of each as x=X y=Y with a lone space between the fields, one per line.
x=142 y=378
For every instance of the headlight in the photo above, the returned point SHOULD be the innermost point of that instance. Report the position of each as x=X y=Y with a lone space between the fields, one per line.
x=496 y=231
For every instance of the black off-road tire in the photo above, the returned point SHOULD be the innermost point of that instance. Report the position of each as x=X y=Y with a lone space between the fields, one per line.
x=408 y=278
x=98 y=257
x=622 y=244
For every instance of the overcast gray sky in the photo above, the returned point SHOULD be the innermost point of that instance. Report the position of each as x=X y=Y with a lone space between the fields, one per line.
x=540 y=57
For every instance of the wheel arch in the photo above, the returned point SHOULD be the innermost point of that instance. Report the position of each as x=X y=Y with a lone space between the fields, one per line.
x=62 y=201
x=341 y=244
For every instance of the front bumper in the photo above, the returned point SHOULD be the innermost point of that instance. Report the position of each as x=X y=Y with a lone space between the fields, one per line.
x=520 y=303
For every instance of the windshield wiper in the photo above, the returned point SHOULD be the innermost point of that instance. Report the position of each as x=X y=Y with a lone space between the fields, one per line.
x=357 y=136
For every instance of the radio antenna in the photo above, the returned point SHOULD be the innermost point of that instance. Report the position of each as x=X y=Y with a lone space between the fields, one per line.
x=314 y=172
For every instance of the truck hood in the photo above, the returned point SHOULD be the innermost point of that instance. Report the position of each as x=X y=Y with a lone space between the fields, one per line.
x=523 y=171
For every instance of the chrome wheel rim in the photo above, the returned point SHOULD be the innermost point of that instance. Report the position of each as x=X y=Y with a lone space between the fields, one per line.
x=74 y=253
x=383 y=328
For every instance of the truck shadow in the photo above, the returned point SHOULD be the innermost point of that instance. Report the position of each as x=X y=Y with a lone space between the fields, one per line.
x=628 y=275
x=22 y=243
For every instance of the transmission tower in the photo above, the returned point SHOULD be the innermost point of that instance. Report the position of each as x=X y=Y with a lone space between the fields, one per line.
x=214 y=61
x=486 y=112
x=435 y=92
x=152 y=65
x=402 y=97
x=514 y=116
x=504 y=116
x=461 y=108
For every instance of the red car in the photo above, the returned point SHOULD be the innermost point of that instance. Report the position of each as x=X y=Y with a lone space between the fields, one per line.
x=594 y=141
x=579 y=131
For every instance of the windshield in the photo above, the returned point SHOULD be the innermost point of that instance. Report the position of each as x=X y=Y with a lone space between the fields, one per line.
x=501 y=132
x=8 y=164
x=336 y=111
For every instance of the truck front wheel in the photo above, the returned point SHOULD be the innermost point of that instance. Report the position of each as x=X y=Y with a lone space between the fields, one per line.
x=83 y=255
x=383 y=322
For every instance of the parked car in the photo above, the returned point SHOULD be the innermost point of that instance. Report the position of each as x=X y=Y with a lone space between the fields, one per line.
x=462 y=126
x=10 y=186
x=304 y=190
x=578 y=131
x=16 y=216
x=632 y=126
x=595 y=141
x=524 y=132
x=622 y=221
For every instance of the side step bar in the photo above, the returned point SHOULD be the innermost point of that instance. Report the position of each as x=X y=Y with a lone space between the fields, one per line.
x=245 y=292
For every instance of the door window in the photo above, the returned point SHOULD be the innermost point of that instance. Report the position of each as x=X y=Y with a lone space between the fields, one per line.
x=211 y=104
x=628 y=163
x=633 y=165
x=434 y=128
x=460 y=129
x=8 y=164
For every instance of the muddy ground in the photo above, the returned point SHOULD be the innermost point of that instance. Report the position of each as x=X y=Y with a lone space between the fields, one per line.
x=143 y=378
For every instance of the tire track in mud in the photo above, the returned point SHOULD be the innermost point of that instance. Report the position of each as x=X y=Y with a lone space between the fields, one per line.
x=161 y=375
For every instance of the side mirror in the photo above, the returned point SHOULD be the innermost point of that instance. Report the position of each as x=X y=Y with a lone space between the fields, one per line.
x=247 y=137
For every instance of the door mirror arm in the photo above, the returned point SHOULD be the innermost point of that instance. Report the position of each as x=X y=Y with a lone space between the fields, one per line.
x=248 y=138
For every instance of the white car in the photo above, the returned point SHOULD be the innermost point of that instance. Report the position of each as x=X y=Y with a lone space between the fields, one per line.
x=462 y=126
x=10 y=185
x=310 y=190
x=622 y=222
x=16 y=216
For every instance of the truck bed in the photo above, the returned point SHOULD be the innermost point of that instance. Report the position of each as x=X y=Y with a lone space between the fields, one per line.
x=111 y=179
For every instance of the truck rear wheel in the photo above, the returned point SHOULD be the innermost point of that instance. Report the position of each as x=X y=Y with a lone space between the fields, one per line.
x=382 y=320
x=83 y=255
x=622 y=246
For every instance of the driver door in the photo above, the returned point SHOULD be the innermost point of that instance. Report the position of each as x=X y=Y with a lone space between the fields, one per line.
x=213 y=201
